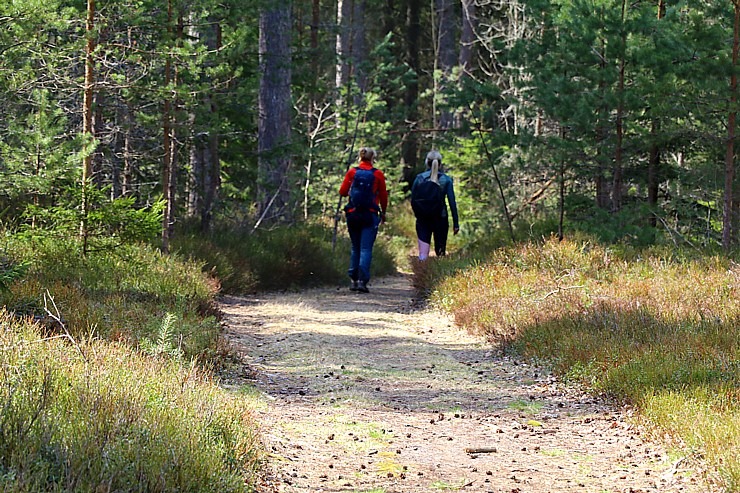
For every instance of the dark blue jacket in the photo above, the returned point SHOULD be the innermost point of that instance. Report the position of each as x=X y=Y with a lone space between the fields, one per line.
x=449 y=192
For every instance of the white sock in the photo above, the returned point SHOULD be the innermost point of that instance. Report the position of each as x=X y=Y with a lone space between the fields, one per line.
x=423 y=250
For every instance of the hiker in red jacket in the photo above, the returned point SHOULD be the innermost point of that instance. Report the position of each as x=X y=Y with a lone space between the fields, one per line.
x=368 y=200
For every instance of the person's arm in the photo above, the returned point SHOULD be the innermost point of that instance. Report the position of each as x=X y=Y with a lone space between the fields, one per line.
x=453 y=205
x=347 y=182
x=382 y=191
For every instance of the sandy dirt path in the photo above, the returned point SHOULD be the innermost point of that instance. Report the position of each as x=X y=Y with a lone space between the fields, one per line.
x=369 y=393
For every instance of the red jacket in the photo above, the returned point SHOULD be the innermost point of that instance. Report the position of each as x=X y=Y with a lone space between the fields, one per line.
x=381 y=193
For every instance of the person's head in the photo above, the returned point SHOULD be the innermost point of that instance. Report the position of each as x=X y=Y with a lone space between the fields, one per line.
x=431 y=157
x=367 y=154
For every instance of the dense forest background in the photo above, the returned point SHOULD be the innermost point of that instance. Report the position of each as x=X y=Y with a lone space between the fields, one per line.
x=129 y=118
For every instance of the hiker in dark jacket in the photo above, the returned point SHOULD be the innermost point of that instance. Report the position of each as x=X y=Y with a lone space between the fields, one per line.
x=368 y=201
x=438 y=224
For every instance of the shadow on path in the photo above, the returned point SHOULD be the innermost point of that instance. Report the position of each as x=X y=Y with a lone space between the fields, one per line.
x=367 y=392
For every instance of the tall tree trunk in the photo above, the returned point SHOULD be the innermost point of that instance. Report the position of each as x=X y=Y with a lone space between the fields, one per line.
x=205 y=166
x=196 y=146
x=351 y=48
x=209 y=178
x=315 y=20
x=561 y=194
x=212 y=184
x=87 y=118
x=177 y=105
x=343 y=82
x=344 y=43
x=446 y=56
x=274 y=125
x=128 y=123
x=98 y=176
x=467 y=47
x=359 y=45
x=99 y=97
x=727 y=219
x=617 y=183
x=313 y=114
x=167 y=143
x=602 y=184
x=654 y=158
x=467 y=36
x=128 y=153
x=517 y=29
x=410 y=144
x=196 y=159
x=118 y=151
x=390 y=25
x=389 y=16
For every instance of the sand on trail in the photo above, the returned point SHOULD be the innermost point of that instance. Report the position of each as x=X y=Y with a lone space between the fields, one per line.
x=373 y=393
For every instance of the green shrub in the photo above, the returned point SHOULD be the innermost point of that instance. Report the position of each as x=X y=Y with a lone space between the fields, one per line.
x=282 y=258
x=109 y=223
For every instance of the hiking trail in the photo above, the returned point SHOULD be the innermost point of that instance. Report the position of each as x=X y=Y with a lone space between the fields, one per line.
x=372 y=393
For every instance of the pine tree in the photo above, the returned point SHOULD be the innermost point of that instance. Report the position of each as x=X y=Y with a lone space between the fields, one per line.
x=275 y=113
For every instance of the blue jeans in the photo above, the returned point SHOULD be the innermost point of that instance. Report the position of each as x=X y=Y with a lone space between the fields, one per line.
x=362 y=234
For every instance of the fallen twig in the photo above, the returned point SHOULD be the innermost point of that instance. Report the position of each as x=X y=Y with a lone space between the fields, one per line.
x=556 y=291
x=481 y=450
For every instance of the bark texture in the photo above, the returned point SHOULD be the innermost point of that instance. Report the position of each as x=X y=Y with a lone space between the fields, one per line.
x=447 y=53
x=274 y=112
x=727 y=219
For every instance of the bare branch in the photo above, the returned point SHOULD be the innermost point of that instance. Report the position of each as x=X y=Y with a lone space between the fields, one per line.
x=57 y=317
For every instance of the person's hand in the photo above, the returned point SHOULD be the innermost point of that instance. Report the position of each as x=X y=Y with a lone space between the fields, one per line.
x=455 y=231
x=382 y=218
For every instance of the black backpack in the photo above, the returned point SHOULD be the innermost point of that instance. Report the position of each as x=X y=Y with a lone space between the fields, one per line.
x=361 y=195
x=427 y=200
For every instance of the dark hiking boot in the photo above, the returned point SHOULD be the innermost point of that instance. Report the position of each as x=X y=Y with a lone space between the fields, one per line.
x=353 y=285
x=362 y=287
